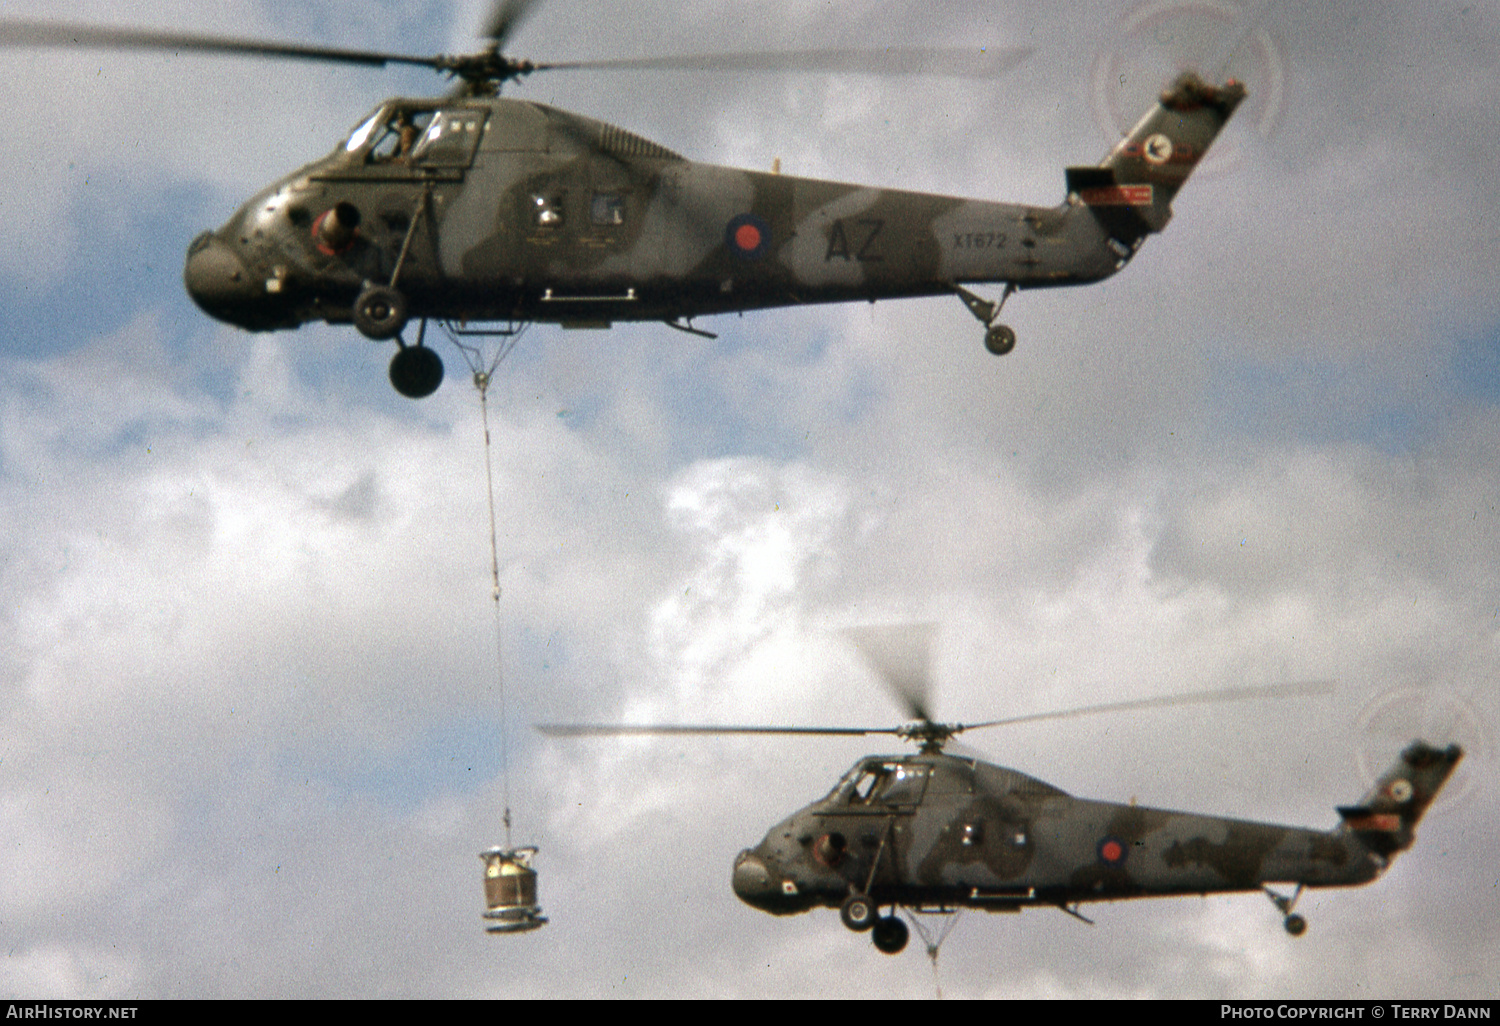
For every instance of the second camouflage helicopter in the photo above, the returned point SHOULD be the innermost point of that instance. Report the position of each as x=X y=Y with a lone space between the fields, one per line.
x=934 y=832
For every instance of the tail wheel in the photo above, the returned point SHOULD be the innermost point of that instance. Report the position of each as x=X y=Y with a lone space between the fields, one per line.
x=1295 y=925
x=858 y=912
x=890 y=935
x=380 y=313
x=1000 y=339
x=416 y=371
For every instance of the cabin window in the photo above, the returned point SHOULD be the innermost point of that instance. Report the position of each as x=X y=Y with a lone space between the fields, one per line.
x=607 y=210
x=547 y=209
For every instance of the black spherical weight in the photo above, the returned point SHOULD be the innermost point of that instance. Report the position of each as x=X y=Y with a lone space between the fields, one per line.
x=416 y=372
x=890 y=935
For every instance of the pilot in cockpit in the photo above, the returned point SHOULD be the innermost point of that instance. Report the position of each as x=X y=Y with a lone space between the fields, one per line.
x=406 y=136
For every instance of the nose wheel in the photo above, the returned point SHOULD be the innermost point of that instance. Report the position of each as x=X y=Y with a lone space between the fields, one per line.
x=889 y=933
x=380 y=313
x=858 y=913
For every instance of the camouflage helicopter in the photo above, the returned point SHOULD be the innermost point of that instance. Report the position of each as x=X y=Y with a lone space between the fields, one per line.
x=478 y=208
x=937 y=832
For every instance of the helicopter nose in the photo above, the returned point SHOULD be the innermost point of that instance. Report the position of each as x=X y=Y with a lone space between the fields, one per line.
x=752 y=880
x=217 y=278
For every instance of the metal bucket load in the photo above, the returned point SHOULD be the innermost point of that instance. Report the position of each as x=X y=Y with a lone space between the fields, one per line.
x=510 y=890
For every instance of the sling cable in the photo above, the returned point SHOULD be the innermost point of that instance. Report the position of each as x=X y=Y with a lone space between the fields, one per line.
x=509 y=877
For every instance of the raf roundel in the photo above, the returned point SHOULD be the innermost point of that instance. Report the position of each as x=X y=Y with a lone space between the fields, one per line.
x=748 y=237
x=1112 y=851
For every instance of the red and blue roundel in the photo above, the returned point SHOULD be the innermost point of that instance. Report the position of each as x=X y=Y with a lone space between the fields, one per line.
x=748 y=237
x=1112 y=851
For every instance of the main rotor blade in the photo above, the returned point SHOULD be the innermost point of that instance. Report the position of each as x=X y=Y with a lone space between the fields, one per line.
x=42 y=33
x=946 y=63
x=1309 y=687
x=1242 y=26
x=902 y=655
x=598 y=730
x=934 y=735
x=505 y=17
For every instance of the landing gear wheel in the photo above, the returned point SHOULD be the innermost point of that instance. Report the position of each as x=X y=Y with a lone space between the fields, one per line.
x=858 y=912
x=890 y=935
x=1295 y=924
x=416 y=372
x=1000 y=339
x=380 y=313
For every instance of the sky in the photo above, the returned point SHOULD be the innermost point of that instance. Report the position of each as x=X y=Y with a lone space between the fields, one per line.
x=252 y=717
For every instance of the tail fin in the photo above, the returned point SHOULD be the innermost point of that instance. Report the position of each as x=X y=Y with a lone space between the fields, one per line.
x=1131 y=192
x=1385 y=820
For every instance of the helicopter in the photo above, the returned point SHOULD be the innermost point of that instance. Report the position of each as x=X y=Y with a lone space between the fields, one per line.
x=474 y=207
x=934 y=832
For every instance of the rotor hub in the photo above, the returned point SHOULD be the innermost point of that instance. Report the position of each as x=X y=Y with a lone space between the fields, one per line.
x=484 y=73
x=931 y=736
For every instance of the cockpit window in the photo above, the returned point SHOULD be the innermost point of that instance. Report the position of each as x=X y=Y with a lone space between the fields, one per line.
x=396 y=141
x=865 y=786
x=891 y=784
x=391 y=135
x=406 y=134
x=904 y=785
x=450 y=139
x=361 y=135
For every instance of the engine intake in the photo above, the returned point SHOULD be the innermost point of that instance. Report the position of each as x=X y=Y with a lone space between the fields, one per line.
x=337 y=228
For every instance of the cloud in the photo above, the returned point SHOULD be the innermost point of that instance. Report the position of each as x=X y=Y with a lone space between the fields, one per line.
x=251 y=706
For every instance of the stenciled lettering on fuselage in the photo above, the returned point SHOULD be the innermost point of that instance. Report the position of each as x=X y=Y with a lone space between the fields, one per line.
x=980 y=240
x=855 y=239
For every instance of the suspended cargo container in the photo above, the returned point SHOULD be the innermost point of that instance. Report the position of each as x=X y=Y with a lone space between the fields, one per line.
x=510 y=890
